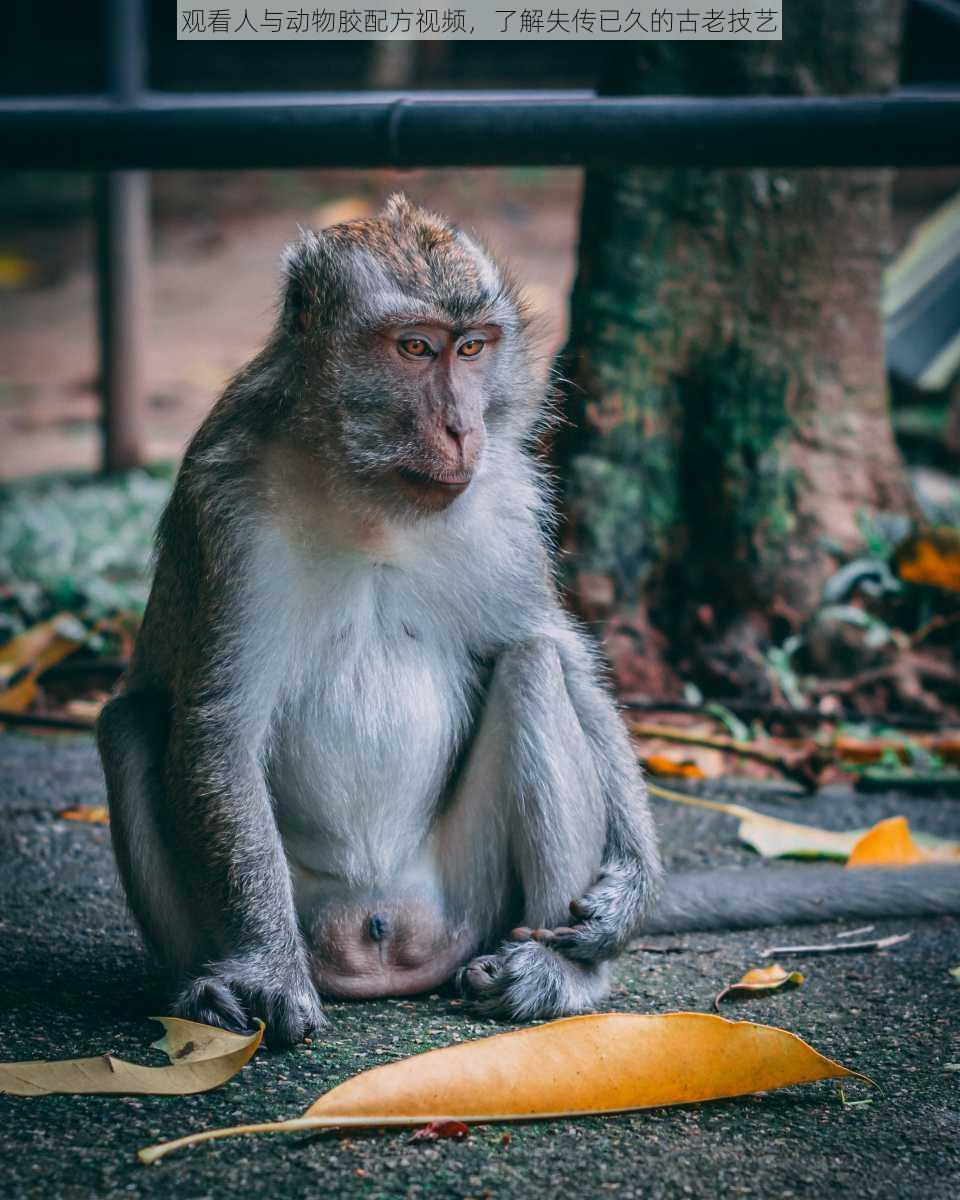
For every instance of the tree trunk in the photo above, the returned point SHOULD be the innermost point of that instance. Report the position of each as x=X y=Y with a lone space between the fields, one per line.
x=729 y=398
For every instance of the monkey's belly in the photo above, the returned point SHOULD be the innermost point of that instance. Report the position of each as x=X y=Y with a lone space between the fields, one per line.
x=360 y=758
x=364 y=947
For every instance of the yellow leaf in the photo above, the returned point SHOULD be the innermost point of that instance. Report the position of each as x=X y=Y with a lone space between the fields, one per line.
x=888 y=844
x=660 y=764
x=607 y=1063
x=89 y=814
x=202 y=1058
x=776 y=838
x=24 y=658
x=760 y=979
x=931 y=557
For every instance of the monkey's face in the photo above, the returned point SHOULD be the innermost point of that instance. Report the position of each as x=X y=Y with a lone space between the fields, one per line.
x=434 y=380
x=414 y=349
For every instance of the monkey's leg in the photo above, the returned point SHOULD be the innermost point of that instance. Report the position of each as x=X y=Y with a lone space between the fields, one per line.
x=204 y=870
x=550 y=820
x=132 y=735
x=236 y=873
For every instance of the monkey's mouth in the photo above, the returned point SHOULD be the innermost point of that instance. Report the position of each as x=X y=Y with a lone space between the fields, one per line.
x=446 y=483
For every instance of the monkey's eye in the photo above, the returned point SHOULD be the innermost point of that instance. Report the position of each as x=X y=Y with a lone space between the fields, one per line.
x=416 y=347
x=471 y=348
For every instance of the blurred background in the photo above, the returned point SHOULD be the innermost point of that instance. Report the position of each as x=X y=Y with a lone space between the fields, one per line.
x=759 y=370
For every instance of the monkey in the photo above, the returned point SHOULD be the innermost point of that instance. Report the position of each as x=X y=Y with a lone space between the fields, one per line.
x=362 y=749
x=360 y=739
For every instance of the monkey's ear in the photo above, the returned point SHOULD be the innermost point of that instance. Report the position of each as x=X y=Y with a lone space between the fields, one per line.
x=300 y=265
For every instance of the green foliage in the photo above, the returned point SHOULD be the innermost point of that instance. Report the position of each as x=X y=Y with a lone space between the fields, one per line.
x=80 y=545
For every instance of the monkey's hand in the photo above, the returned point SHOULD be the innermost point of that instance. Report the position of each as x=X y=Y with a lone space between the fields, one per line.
x=545 y=973
x=233 y=992
x=604 y=919
x=526 y=981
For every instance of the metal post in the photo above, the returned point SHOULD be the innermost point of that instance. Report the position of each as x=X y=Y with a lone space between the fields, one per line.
x=123 y=248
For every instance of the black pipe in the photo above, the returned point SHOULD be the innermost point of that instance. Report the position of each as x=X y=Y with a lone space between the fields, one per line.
x=123 y=252
x=222 y=132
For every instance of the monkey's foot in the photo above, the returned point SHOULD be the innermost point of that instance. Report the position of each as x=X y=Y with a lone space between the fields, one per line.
x=603 y=919
x=526 y=981
x=236 y=991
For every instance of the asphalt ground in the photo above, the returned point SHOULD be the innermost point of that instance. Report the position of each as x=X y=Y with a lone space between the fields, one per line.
x=74 y=980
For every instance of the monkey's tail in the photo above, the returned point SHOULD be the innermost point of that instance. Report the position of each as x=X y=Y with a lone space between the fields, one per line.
x=754 y=897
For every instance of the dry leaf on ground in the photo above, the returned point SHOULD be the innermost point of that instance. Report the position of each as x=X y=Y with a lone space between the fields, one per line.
x=89 y=814
x=201 y=1056
x=776 y=838
x=760 y=980
x=888 y=844
x=931 y=556
x=24 y=658
x=660 y=764
x=864 y=751
x=606 y=1063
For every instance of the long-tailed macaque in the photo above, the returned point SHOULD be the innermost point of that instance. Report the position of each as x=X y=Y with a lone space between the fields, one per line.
x=360 y=739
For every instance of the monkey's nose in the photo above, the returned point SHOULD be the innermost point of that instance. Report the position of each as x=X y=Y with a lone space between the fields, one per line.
x=457 y=434
x=378 y=927
x=464 y=442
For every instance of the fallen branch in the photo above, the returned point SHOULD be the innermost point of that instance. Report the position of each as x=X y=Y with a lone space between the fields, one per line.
x=839 y=947
x=804 y=764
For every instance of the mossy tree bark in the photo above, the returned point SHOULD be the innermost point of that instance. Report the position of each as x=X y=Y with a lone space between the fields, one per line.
x=728 y=401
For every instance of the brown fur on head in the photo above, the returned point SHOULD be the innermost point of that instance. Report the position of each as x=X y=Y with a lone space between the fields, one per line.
x=405 y=252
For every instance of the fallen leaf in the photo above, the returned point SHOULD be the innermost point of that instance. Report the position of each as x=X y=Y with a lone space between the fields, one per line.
x=888 y=844
x=954 y=973
x=24 y=658
x=839 y=947
x=931 y=557
x=775 y=838
x=873 y=750
x=202 y=1057
x=441 y=1129
x=90 y=814
x=606 y=1063
x=760 y=980
x=659 y=764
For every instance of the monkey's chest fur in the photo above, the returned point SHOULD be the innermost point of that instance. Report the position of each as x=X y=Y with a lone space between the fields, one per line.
x=363 y=741
x=370 y=718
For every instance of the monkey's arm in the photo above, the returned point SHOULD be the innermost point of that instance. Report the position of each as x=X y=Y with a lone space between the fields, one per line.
x=630 y=876
x=235 y=869
x=753 y=897
x=208 y=816
x=631 y=833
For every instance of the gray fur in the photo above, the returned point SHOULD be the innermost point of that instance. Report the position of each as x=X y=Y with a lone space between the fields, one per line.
x=793 y=895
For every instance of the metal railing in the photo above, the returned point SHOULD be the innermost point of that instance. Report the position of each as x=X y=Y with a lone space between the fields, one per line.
x=133 y=129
